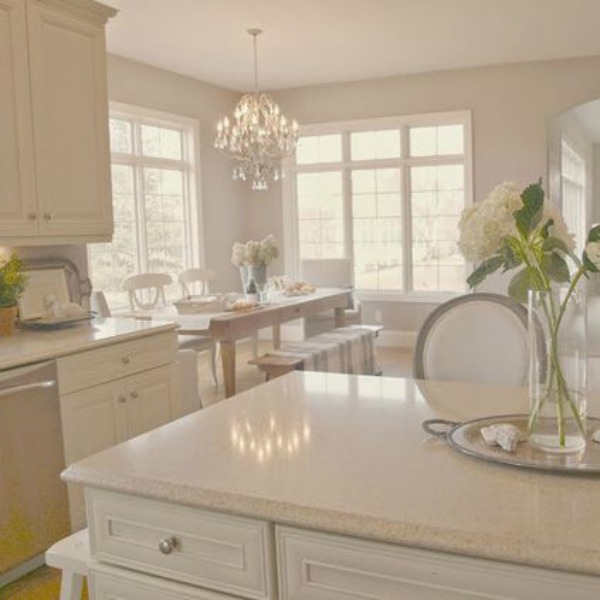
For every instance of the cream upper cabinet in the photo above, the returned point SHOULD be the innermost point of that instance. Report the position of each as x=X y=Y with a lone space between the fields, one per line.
x=55 y=69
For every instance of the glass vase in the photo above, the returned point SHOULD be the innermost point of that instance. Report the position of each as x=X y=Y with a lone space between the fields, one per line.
x=557 y=371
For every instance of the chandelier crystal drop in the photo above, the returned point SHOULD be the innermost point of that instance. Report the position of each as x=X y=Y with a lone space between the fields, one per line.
x=258 y=137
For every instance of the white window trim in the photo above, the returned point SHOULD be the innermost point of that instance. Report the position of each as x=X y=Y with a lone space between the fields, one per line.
x=192 y=140
x=290 y=220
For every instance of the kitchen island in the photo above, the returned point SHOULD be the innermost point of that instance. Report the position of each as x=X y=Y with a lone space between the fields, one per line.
x=324 y=486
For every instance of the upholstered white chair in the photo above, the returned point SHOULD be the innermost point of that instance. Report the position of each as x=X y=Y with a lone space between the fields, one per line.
x=334 y=273
x=477 y=337
x=196 y=281
x=147 y=291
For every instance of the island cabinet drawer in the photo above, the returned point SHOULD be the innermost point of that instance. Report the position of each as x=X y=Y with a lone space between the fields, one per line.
x=114 y=361
x=318 y=566
x=108 y=583
x=220 y=552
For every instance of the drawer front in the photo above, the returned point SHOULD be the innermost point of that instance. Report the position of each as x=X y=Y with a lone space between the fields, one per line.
x=106 y=583
x=108 y=363
x=220 y=552
x=316 y=566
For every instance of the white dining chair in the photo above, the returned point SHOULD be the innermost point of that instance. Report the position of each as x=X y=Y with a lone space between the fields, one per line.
x=147 y=292
x=196 y=281
x=477 y=337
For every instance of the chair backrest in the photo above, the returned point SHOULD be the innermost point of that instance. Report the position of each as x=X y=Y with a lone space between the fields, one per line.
x=99 y=305
x=196 y=278
x=327 y=272
x=477 y=337
x=146 y=290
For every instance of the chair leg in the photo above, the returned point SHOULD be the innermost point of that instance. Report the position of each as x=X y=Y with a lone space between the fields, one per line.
x=70 y=585
x=213 y=364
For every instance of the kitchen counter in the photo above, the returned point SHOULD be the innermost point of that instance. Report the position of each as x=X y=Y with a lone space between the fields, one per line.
x=26 y=347
x=346 y=454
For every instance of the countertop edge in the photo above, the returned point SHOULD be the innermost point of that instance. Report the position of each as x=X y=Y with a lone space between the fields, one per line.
x=512 y=550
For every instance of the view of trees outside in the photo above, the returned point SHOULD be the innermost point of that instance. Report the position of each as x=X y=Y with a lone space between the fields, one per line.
x=398 y=219
x=151 y=234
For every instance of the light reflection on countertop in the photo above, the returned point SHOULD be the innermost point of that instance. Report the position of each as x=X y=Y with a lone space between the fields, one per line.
x=26 y=347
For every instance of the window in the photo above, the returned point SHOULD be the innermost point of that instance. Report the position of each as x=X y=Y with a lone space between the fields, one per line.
x=154 y=201
x=573 y=193
x=387 y=194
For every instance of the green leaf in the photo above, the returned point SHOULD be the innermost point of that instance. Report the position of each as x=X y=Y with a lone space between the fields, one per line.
x=487 y=267
x=594 y=234
x=529 y=217
x=520 y=285
x=556 y=267
x=589 y=265
x=545 y=230
x=554 y=243
x=511 y=260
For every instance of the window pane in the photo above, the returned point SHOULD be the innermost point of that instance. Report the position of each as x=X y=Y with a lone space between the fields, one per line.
x=161 y=142
x=111 y=263
x=164 y=207
x=120 y=136
x=436 y=141
x=573 y=192
x=320 y=215
x=370 y=145
x=319 y=149
x=377 y=227
x=437 y=200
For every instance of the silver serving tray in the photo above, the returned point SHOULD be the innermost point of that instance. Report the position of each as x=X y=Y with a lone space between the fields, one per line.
x=466 y=438
x=48 y=324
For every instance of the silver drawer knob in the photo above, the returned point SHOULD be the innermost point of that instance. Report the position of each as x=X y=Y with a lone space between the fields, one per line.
x=167 y=545
x=125 y=360
x=31 y=216
x=122 y=399
x=134 y=394
x=47 y=216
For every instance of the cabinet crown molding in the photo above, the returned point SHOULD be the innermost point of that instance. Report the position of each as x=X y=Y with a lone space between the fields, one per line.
x=99 y=13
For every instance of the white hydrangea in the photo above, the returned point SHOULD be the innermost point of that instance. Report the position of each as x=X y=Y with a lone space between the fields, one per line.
x=484 y=225
x=558 y=229
x=255 y=253
x=592 y=251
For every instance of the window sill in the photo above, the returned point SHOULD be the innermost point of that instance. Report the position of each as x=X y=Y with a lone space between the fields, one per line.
x=406 y=297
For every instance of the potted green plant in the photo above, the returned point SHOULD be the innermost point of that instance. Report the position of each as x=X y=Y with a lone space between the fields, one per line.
x=12 y=285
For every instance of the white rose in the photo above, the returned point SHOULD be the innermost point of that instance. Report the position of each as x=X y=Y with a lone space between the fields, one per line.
x=592 y=251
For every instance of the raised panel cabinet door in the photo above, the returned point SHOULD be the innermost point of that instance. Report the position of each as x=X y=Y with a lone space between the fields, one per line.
x=90 y=424
x=150 y=399
x=18 y=215
x=70 y=120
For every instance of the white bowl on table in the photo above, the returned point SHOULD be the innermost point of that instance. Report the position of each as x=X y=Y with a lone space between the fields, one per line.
x=199 y=304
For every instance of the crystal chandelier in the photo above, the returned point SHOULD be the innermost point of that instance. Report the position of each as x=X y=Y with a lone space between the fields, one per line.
x=259 y=137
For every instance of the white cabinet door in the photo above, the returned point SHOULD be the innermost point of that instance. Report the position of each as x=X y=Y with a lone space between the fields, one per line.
x=149 y=400
x=70 y=122
x=17 y=176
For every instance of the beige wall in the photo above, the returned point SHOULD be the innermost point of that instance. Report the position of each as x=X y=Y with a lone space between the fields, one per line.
x=511 y=106
x=222 y=198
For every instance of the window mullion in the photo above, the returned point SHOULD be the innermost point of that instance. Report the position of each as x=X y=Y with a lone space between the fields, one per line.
x=347 y=194
x=140 y=195
x=407 y=271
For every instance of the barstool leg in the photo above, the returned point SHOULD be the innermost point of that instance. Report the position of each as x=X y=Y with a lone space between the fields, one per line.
x=70 y=585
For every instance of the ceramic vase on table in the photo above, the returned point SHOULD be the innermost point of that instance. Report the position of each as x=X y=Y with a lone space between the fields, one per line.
x=557 y=372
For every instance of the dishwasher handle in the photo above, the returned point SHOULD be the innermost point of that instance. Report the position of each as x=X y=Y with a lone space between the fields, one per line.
x=27 y=387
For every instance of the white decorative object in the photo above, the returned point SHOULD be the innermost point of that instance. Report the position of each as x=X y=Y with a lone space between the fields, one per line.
x=505 y=435
x=259 y=136
x=45 y=290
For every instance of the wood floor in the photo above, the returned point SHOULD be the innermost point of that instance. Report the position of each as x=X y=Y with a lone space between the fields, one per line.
x=44 y=583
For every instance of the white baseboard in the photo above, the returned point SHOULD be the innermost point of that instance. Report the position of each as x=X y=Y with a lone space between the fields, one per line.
x=396 y=339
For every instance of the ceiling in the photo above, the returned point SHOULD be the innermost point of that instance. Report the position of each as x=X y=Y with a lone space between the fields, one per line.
x=308 y=42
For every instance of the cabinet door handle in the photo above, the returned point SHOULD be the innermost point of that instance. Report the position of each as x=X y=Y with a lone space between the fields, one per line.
x=122 y=399
x=47 y=216
x=167 y=545
x=32 y=216
x=125 y=360
x=134 y=394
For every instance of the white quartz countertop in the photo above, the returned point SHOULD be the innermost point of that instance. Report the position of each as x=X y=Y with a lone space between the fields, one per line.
x=347 y=454
x=25 y=347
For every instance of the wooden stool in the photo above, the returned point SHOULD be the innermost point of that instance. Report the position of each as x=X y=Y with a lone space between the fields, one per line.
x=72 y=556
x=275 y=366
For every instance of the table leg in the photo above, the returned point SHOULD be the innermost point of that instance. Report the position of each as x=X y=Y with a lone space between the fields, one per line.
x=276 y=336
x=228 y=362
x=339 y=315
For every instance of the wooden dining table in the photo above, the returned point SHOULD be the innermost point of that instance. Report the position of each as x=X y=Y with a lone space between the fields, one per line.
x=229 y=327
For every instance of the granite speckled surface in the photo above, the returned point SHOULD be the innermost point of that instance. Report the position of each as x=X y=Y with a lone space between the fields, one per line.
x=346 y=454
x=26 y=347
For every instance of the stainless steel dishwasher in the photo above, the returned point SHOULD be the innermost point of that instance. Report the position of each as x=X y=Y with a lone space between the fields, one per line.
x=34 y=511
